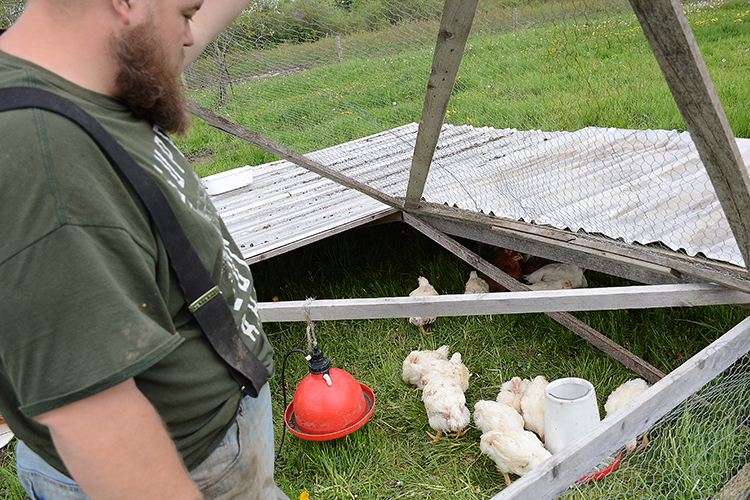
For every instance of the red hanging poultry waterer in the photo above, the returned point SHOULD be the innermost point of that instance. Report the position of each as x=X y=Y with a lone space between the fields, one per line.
x=329 y=403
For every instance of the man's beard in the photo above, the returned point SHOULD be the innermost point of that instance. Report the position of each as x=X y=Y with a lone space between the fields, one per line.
x=146 y=84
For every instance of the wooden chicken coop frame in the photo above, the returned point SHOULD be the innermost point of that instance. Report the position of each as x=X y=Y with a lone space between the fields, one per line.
x=697 y=100
x=674 y=280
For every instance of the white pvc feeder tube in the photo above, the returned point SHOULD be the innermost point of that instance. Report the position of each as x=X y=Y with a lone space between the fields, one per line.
x=570 y=411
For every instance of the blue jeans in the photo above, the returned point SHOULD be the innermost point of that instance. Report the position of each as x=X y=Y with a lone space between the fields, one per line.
x=240 y=468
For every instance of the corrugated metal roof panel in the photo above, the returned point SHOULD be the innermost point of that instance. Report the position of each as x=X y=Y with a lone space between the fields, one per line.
x=287 y=205
x=634 y=185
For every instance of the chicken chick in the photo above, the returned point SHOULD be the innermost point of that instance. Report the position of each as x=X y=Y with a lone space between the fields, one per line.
x=493 y=416
x=445 y=403
x=512 y=391
x=516 y=450
x=622 y=396
x=558 y=272
x=475 y=284
x=551 y=285
x=443 y=382
x=412 y=366
x=532 y=406
x=453 y=369
x=424 y=289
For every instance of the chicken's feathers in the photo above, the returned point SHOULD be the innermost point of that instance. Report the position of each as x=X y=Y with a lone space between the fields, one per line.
x=532 y=406
x=515 y=451
x=491 y=416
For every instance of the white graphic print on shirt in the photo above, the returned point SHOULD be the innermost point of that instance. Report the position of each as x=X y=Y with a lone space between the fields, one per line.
x=166 y=164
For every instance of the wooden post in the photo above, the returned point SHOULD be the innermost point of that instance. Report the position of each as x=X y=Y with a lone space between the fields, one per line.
x=668 y=32
x=484 y=304
x=738 y=488
x=455 y=26
x=338 y=46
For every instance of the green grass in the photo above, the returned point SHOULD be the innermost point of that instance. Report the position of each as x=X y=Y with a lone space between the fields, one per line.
x=10 y=486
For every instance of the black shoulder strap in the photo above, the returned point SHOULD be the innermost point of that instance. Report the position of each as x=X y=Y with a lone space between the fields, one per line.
x=205 y=300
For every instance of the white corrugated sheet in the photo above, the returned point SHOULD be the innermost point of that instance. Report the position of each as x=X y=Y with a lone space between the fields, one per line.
x=635 y=185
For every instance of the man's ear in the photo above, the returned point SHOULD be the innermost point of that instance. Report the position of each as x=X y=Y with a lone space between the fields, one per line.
x=124 y=9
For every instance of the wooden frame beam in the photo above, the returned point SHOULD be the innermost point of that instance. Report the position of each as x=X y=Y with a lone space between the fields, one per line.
x=455 y=25
x=560 y=246
x=648 y=261
x=567 y=320
x=243 y=134
x=580 y=299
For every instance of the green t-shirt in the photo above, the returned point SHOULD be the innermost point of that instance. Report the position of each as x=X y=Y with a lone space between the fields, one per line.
x=87 y=298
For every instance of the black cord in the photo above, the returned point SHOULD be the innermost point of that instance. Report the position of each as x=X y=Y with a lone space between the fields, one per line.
x=283 y=393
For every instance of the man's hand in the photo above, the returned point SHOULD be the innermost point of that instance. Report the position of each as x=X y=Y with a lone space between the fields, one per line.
x=209 y=21
x=116 y=447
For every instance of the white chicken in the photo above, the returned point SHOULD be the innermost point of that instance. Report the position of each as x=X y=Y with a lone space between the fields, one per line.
x=475 y=284
x=443 y=382
x=512 y=391
x=491 y=415
x=513 y=450
x=558 y=272
x=532 y=406
x=412 y=366
x=423 y=290
x=551 y=285
x=453 y=369
x=622 y=396
x=445 y=403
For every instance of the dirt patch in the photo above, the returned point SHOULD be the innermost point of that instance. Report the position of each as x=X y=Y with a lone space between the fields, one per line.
x=200 y=158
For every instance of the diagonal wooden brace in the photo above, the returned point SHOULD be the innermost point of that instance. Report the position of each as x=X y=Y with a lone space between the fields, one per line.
x=595 y=338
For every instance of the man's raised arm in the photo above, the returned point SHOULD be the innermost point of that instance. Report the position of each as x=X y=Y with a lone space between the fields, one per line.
x=209 y=21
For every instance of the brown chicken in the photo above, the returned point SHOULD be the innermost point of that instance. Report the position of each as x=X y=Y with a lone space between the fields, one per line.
x=507 y=261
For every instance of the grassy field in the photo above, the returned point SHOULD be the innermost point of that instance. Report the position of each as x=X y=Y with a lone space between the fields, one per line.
x=391 y=457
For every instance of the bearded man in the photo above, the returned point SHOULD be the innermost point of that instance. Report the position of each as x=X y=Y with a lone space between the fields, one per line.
x=107 y=380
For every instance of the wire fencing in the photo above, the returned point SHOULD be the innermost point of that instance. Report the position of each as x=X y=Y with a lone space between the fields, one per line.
x=696 y=451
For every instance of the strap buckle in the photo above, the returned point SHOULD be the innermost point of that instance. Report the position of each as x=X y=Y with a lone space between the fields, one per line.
x=203 y=299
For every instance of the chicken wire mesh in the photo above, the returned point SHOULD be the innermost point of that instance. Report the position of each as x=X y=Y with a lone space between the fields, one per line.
x=699 y=450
